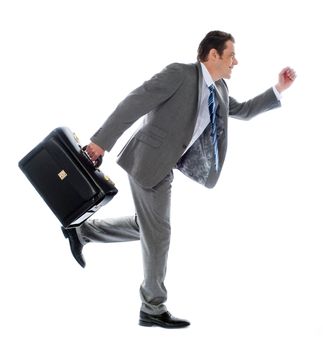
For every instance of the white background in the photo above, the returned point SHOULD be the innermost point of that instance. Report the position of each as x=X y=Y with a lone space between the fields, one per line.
x=246 y=258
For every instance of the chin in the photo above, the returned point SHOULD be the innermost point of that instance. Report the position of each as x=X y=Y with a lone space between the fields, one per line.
x=228 y=75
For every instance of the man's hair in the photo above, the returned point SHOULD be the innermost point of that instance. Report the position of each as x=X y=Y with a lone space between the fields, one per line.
x=213 y=40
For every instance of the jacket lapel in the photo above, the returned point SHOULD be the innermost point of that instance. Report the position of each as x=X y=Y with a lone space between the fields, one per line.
x=200 y=85
x=221 y=95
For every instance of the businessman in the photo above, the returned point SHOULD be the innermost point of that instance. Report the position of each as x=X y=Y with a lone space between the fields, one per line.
x=185 y=109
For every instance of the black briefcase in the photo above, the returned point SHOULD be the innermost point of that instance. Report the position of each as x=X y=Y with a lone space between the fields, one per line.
x=66 y=178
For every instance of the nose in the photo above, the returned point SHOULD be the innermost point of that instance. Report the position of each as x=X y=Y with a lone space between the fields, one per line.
x=235 y=61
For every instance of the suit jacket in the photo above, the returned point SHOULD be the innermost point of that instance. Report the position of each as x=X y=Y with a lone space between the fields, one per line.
x=170 y=101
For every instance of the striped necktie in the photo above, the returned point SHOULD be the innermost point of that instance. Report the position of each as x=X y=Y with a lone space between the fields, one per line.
x=213 y=104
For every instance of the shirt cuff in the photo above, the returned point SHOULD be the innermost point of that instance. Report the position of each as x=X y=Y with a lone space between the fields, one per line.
x=278 y=94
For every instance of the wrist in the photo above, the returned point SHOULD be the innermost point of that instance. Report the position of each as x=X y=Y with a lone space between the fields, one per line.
x=279 y=88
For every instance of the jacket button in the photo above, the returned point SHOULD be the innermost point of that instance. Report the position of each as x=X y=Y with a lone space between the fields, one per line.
x=184 y=146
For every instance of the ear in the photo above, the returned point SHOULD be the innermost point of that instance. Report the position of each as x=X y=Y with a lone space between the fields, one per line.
x=213 y=54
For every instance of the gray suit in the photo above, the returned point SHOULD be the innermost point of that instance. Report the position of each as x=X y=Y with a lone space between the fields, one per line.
x=170 y=100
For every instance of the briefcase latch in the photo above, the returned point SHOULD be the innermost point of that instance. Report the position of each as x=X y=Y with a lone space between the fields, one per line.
x=62 y=175
x=76 y=138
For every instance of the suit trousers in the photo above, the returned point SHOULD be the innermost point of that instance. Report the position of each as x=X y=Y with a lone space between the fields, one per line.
x=152 y=229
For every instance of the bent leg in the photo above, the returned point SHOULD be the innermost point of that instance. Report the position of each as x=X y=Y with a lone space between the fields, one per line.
x=109 y=230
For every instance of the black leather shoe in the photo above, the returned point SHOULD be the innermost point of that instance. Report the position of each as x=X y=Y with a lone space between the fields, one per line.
x=165 y=320
x=75 y=245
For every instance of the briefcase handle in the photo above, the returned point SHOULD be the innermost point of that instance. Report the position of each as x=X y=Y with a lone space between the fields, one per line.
x=97 y=162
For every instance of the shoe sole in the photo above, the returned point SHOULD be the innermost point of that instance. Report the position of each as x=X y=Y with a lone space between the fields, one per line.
x=156 y=324
x=146 y=324
x=66 y=235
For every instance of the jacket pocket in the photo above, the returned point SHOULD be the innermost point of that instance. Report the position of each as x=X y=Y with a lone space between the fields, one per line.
x=151 y=135
x=156 y=131
x=148 y=139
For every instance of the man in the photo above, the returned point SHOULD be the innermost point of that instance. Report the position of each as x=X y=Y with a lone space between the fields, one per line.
x=186 y=107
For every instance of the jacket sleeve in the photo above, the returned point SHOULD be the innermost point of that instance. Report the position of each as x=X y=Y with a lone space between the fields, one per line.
x=139 y=102
x=259 y=104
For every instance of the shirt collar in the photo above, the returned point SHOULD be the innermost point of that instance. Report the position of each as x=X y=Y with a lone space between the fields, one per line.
x=206 y=75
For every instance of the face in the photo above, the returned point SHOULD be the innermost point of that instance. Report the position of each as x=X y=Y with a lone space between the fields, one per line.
x=221 y=66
